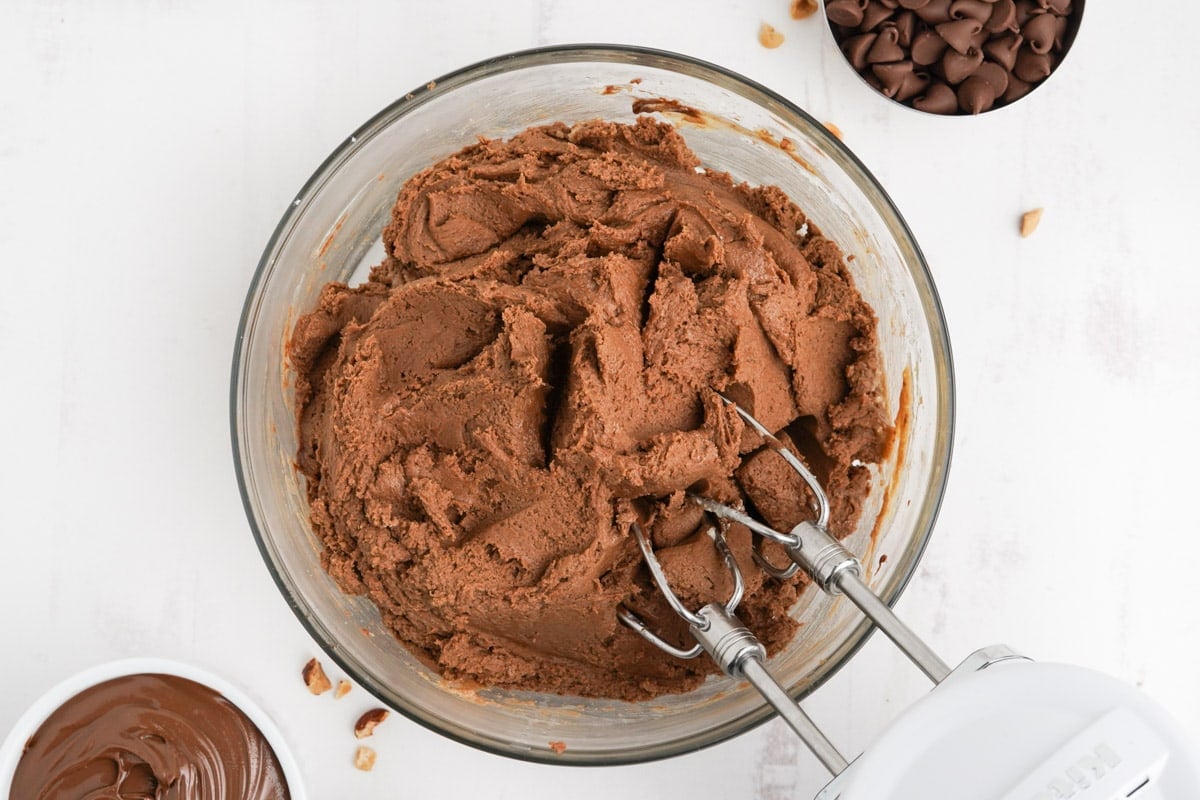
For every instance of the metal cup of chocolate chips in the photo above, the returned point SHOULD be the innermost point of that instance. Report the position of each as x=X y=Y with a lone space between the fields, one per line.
x=954 y=57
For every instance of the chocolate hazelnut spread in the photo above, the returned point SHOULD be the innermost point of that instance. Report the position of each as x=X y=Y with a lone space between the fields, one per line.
x=533 y=366
x=148 y=737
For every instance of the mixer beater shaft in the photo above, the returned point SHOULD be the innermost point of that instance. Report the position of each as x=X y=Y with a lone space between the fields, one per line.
x=809 y=547
x=736 y=650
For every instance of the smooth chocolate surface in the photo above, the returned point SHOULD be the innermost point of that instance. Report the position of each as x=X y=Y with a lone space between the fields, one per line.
x=148 y=737
x=533 y=367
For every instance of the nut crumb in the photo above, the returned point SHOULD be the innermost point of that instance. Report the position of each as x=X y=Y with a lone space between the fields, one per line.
x=834 y=129
x=803 y=9
x=343 y=689
x=1030 y=221
x=558 y=747
x=314 y=677
x=364 y=759
x=368 y=722
x=768 y=37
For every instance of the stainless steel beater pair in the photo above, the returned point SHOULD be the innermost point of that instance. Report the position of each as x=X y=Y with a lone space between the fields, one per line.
x=998 y=727
x=810 y=547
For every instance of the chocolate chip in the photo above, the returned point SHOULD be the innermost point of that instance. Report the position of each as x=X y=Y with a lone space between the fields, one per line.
x=1033 y=67
x=1026 y=9
x=845 y=12
x=994 y=74
x=856 y=50
x=938 y=99
x=1039 y=32
x=1060 y=32
x=914 y=84
x=892 y=76
x=886 y=47
x=913 y=3
x=906 y=26
x=1003 y=17
x=934 y=12
x=971 y=9
x=1003 y=50
x=1017 y=89
x=959 y=32
x=874 y=14
x=957 y=67
x=976 y=95
x=927 y=48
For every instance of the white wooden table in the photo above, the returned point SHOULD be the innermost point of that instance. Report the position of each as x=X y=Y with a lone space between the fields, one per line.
x=147 y=150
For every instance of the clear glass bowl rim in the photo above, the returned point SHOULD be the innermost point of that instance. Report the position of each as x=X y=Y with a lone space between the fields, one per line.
x=662 y=59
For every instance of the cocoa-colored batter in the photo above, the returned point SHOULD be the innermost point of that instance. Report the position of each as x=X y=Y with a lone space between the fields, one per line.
x=532 y=368
x=148 y=736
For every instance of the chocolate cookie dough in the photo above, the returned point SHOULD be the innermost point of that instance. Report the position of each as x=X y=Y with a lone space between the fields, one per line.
x=148 y=736
x=533 y=367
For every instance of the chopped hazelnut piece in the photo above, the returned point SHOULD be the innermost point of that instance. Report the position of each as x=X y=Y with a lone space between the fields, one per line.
x=1030 y=221
x=364 y=759
x=368 y=722
x=768 y=37
x=558 y=747
x=343 y=689
x=803 y=9
x=834 y=129
x=314 y=677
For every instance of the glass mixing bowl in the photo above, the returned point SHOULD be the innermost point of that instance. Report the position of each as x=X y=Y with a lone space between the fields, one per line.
x=332 y=231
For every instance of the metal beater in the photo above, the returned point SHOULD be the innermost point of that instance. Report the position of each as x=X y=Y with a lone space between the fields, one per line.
x=1084 y=735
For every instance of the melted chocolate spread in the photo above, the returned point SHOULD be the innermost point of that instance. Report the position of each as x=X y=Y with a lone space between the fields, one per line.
x=148 y=737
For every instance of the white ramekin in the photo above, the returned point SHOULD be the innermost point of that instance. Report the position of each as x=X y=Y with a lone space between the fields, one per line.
x=29 y=722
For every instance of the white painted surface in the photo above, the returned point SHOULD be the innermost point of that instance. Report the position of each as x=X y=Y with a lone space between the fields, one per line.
x=147 y=150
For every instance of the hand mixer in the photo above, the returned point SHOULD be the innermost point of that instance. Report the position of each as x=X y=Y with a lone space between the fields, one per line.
x=998 y=727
